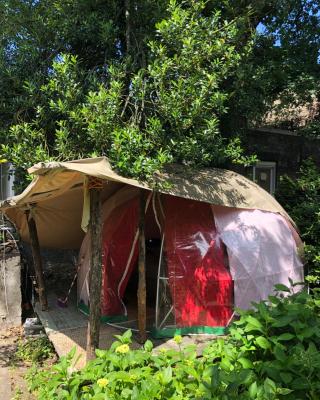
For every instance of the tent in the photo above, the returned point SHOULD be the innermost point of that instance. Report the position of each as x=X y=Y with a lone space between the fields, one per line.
x=217 y=240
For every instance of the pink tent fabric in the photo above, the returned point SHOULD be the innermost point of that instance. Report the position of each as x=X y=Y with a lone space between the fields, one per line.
x=200 y=284
x=262 y=252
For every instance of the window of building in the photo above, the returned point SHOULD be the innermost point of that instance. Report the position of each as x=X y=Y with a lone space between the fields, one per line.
x=264 y=174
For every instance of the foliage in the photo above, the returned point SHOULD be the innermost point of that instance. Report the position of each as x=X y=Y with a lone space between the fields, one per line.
x=34 y=350
x=282 y=70
x=301 y=198
x=169 y=112
x=149 y=82
x=271 y=353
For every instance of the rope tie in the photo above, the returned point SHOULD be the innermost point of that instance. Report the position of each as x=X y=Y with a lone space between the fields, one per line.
x=95 y=183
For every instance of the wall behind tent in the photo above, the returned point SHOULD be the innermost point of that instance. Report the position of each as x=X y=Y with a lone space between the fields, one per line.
x=6 y=181
x=10 y=293
x=59 y=267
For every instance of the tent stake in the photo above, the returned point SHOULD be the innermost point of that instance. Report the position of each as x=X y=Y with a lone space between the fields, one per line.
x=142 y=311
x=37 y=261
x=95 y=274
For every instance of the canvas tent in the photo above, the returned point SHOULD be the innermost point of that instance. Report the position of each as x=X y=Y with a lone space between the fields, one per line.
x=220 y=240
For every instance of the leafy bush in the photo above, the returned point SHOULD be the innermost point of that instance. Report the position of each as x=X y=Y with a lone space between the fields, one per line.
x=301 y=198
x=272 y=353
x=34 y=349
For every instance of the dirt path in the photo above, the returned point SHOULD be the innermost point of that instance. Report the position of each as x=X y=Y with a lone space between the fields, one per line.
x=12 y=383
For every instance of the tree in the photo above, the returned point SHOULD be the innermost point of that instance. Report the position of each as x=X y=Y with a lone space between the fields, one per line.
x=300 y=196
x=282 y=70
x=140 y=116
x=149 y=82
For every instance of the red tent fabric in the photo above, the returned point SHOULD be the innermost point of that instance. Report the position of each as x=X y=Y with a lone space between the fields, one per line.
x=201 y=285
x=120 y=253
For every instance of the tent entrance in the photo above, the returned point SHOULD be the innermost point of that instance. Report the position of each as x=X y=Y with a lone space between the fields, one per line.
x=129 y=297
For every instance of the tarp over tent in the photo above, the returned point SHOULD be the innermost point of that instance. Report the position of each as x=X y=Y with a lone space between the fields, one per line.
x=58 y=188
x=224 y=241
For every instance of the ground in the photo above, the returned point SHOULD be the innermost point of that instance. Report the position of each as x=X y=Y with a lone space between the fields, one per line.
x=12 y=371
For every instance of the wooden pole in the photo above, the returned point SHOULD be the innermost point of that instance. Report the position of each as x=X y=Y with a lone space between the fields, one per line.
x=95 y=274
x=37 y=261
x=142 y=308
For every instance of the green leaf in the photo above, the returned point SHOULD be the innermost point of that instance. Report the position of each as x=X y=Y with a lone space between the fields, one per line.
x=282 y=288
x=72 y=353
x=254 y=322
x=148 y=346
x=245 y=362
x=279 y=353
x=215 y=377
x=263 y=342
x=167 y=375
x=286 y=377
x=286 y=336
x=280 y=322
x=269 y=386
x=226 y=364
x=100 y=353
x=284 y=391
x=308 y=331
x=126 y=393
x=253 y=390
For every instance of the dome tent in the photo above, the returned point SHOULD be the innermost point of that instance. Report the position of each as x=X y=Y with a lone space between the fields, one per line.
x=211 y=260
x=223 y=241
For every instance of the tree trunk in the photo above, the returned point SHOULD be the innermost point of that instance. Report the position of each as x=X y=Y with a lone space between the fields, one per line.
x=37 y=261
x=95 y=273
x=128 y=25
x=142 y=308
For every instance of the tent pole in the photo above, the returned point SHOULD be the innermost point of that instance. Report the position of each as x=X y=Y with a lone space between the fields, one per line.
x=142 y=311
x=95 y=273
x=37 y=261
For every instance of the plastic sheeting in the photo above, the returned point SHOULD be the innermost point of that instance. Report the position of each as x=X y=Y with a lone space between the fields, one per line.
x=262 y=252
x=213 y=258
x=200 y=284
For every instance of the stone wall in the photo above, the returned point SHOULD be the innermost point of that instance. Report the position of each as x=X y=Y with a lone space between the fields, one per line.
x=10 y=289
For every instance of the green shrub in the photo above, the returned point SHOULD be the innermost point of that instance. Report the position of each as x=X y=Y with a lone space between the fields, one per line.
x=34 y=350
x=282 y=340
x=271 y=353
x=301 y=198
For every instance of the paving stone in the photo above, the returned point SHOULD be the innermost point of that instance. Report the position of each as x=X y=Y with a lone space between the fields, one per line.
x=5 y=384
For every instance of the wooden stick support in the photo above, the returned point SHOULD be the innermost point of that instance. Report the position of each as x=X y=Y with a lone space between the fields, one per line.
x=142 y=308
x=95 y=274
x=37 y=261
